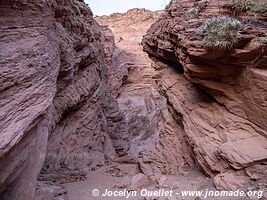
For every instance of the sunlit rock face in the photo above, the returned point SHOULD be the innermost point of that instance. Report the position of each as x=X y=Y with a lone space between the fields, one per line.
x=219 y=95
x=56 y=103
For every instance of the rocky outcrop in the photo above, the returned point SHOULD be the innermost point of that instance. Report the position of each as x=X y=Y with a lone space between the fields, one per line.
x=219 y=95
x=55 y=94
x=128 y=29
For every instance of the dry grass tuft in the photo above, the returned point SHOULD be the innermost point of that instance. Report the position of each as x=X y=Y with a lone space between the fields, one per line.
x=221 y=32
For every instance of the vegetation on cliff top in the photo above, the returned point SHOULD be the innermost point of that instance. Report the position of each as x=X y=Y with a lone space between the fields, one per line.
x=221 y=32
x=252 y=7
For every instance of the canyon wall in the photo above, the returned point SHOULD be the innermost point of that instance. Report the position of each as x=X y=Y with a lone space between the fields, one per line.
x=55 y=94
x=218 y=94
x=72 y=101
x=158 y=143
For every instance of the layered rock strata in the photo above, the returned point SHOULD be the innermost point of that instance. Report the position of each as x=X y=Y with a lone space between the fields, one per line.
x=219 y=95
x=55 y=97
x=158 y=141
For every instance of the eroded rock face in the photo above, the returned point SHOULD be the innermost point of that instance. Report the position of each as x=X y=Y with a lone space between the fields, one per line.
x=54 y=87
x=219 y=95
x=158 y=142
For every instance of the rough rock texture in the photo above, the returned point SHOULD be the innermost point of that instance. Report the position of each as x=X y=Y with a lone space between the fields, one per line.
x=219 y=95
x=60 y=73
x=128 y=29
x=54 y=82
x=138 y=181
x=47 y=191
x=158 y=142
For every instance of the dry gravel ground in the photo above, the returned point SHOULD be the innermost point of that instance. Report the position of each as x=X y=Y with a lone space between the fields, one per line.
x=103 y=179
x=106 y=178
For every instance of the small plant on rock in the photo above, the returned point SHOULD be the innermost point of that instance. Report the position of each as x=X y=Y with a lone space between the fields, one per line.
x=221 y=32
x=193 y=12
x=242 y=5
x=252 y=7
x=260 y=40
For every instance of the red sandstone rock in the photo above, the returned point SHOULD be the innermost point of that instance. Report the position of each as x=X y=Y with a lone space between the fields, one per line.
x=220 y=95
x=60 y=73
x=158 y=142
x=54 y=87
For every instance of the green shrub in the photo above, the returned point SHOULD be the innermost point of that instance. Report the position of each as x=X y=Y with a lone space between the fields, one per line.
x=221 y=32
x=252 y=7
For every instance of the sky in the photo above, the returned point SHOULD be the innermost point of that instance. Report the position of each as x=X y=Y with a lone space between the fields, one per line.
x=106 y=7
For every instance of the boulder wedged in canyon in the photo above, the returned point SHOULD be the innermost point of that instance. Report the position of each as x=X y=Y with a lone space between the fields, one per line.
x=55 y=95
x=219 y=95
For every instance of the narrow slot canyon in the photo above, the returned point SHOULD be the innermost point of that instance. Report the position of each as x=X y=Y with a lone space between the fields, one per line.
x=131 y=102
